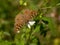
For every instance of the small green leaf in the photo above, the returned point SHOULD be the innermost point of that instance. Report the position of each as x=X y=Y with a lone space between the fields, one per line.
x=36 y=29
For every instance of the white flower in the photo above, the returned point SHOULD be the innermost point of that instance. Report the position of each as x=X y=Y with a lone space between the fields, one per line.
x=30 y=23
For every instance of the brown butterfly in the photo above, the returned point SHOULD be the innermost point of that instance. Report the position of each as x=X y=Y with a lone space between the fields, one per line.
x=22 y=19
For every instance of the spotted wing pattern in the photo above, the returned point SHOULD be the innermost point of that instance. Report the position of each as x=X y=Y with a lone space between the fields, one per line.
x=23 y=18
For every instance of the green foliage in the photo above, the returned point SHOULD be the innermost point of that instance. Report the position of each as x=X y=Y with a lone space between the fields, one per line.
x=43 y=32
x=51 y=25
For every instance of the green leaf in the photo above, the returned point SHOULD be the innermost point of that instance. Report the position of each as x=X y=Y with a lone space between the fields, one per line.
x=51 y=25
x=37 y=29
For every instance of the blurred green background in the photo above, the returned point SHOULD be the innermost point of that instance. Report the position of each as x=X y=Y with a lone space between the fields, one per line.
x=46 y=30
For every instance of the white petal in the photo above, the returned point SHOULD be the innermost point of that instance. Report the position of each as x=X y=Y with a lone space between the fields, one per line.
x=31 y=22
x=29 y=26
